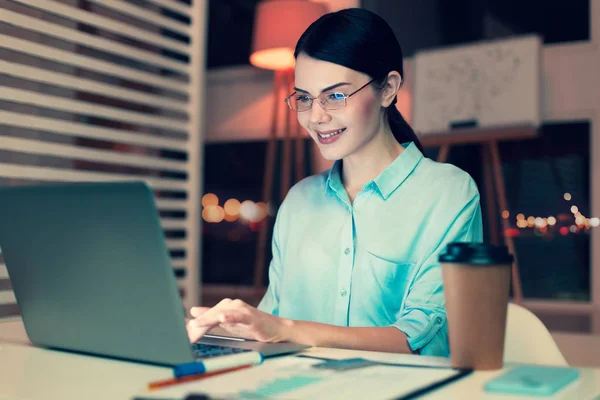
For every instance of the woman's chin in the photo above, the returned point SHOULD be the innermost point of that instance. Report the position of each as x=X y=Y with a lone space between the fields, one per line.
x=331 y=155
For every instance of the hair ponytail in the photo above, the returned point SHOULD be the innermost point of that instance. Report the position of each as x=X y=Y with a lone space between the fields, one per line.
x=402 y=131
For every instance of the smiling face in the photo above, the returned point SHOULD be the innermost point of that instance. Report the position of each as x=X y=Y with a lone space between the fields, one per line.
x=345 y=131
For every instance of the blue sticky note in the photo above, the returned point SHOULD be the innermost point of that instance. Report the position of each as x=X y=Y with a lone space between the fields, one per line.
x=532 y=380
x=281 y=386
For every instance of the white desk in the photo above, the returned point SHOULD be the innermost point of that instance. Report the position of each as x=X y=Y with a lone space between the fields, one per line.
x=29 y=373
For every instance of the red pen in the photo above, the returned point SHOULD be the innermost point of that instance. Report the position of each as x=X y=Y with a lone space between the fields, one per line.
x=190 y=378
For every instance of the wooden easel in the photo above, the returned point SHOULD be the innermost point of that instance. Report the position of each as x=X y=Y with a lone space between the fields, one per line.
x=493 y=177
x=284 y=79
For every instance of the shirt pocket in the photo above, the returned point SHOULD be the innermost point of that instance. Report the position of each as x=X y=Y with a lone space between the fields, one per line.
x=392 y=276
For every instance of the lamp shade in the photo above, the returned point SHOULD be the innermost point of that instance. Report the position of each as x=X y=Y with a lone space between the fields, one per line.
x=278 y=24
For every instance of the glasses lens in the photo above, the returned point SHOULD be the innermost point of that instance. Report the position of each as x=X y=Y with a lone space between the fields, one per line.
x=334 y=100
x=300 y=102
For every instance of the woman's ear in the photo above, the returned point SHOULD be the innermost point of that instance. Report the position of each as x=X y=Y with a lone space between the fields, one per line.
x=390 y=88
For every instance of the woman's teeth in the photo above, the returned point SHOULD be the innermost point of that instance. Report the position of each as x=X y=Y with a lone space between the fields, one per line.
x=328 y=135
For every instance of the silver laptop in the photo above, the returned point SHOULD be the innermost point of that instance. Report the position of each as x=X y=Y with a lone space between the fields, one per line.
x=91 y=273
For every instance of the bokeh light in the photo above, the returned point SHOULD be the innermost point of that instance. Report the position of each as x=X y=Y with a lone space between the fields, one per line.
x=210 y=199
x=232 y=207
x=531 y=222
x=214 y=214
x=231 y=218
x=574 y=209
x=248 y=210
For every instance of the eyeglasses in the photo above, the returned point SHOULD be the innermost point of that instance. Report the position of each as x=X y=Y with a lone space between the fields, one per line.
x=328 y=100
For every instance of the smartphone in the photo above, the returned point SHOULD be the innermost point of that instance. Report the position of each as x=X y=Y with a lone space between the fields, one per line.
x=532 y=380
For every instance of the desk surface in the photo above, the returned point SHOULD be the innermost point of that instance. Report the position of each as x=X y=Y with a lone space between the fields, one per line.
x=29 y=373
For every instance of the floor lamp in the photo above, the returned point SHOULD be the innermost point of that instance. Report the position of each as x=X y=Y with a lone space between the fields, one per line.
x=278 y=24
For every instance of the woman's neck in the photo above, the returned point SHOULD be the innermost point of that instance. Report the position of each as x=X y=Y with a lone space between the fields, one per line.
x=366 y=164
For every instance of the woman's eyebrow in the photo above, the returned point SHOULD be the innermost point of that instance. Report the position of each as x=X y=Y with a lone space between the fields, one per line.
x=326 y=89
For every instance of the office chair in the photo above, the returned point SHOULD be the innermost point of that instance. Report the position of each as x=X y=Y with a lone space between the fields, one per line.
x=528 y=340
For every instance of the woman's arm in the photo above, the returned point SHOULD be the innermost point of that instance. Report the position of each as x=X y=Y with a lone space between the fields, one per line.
x=388 y=339
x=241 y=319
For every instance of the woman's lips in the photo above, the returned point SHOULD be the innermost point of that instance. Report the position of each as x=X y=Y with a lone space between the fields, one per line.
x=328 y=137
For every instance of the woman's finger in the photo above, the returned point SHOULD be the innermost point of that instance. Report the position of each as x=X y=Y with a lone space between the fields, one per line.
x=222 y=317
x=195 y=332
x=198 y=311
x=235 y=317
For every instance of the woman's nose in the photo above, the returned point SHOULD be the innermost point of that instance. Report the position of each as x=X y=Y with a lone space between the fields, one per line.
x=317 y=113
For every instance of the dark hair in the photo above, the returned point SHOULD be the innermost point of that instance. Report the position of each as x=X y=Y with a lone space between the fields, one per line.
x=362 y=41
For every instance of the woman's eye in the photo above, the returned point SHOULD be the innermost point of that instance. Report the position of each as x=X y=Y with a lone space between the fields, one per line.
x=335 y=96
x=302 y=99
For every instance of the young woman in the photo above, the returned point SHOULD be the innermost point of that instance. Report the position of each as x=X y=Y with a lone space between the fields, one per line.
x=355 y=248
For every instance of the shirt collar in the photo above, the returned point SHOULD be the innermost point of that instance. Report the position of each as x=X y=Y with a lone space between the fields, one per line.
x=390 y=179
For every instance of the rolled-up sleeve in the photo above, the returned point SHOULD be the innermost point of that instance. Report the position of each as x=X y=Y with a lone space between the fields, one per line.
x=423 y=317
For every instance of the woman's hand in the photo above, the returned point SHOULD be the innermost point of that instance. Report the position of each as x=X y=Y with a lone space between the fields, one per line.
x=239 y=319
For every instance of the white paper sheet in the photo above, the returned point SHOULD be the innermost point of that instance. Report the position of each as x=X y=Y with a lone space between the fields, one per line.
x=294 y=378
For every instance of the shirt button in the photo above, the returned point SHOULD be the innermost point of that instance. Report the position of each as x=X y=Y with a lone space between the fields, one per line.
x=347 y=251
x=343 y=292
x=438 y=320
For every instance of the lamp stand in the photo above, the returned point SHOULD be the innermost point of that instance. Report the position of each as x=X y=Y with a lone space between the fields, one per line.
x=284 y=80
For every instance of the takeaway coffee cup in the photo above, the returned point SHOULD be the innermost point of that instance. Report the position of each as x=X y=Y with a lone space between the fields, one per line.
x=476 y=287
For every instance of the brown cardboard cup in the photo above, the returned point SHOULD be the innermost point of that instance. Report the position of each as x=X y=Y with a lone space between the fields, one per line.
x=476 y=287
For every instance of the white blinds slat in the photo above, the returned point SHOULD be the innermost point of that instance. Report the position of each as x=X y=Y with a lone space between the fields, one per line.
x=174 y=5
x=3 y=272
x=75 y=106
x=173 y=224
x=111 y=46
x=39 y=75
x=106 y=23
x=87 y=131
x=81 y=153
x=179 y=261
x=140 y=13
x=7 y=297
x=177 y=243
x=59 y=175
x=67 y=57
x=176 y=205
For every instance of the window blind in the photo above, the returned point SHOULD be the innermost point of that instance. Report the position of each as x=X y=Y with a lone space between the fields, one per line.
x=96 y=90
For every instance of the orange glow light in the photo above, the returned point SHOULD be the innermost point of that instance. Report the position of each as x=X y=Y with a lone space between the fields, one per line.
x=231 y=218
x=531 y=222
x=214 y=214
x=205 y=215
x=277 y=27
x=210 y=199
x=279 y=59
x=232 y=207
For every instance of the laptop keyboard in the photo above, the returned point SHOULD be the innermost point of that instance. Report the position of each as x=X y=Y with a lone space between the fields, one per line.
x=202 y=350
